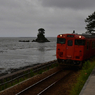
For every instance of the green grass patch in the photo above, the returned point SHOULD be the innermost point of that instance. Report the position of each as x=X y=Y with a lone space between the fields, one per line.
x=83 y=76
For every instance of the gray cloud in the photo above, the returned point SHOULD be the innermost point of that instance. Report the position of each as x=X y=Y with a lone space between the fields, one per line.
x=74 y=4
x=24 y=17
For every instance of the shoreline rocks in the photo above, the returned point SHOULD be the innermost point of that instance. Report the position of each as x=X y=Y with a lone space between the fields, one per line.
x=40 y=41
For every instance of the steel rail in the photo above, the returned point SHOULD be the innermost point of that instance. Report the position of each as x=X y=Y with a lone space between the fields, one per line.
x=36 y=83
x=46 y=88
x=40 y=93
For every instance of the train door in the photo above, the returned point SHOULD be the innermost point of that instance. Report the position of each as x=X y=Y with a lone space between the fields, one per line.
x=70 y=48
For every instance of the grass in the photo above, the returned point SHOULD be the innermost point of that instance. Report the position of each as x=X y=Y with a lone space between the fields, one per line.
x=83 y=76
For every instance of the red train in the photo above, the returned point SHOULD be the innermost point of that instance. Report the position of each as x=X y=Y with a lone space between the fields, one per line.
x=75 y=48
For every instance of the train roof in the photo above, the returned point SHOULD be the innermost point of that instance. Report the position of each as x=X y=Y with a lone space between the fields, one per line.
x=87 y=35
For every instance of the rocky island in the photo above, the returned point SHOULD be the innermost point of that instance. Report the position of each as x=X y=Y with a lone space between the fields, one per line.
x=41 y=37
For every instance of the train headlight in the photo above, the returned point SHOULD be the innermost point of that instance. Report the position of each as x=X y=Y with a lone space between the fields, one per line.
x=60 y=35
x=79 y=36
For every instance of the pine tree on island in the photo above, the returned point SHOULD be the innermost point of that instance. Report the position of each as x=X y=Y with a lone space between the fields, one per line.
x=41 y=37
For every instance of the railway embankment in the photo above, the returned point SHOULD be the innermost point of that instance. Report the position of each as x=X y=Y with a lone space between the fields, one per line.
x=17 y=72
x=22 y=74
x=26 y=83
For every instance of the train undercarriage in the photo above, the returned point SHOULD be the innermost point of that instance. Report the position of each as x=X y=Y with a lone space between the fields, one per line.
x=69 y=62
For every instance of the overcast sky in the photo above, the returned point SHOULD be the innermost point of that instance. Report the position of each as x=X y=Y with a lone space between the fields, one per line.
x=23 y=18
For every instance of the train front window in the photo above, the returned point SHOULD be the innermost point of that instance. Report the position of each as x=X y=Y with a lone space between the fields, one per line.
x=79 y=42
x=61 y=40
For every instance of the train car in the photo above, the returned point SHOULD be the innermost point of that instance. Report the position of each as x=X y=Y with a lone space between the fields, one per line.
x=75 y=48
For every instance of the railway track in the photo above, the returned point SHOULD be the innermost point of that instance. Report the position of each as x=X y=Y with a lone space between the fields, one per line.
x=42 y=86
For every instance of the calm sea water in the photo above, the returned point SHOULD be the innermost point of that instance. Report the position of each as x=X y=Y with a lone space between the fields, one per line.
x=15 y=54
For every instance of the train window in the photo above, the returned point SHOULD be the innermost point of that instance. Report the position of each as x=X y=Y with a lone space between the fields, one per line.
x=92 y=44
x=79 y=42
x=70 y=35
x=70 y=42
x=61 y=40
x=87 y=45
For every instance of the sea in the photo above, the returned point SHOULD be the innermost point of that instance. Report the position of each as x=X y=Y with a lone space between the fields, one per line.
x=15 y=54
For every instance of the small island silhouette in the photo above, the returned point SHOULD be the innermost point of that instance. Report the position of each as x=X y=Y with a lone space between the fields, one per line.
x=41 y=37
